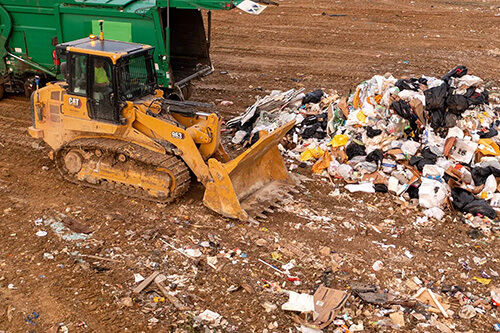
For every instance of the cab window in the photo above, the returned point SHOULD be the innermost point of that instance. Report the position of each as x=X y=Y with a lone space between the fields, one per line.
x=78 y=79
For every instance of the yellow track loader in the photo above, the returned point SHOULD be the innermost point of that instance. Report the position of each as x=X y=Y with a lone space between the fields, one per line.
x=110 y=128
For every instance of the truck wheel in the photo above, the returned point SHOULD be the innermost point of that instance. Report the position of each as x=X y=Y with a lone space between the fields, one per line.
x=2 y=91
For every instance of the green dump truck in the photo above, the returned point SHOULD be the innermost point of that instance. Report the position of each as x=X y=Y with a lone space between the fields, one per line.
x=29 y=30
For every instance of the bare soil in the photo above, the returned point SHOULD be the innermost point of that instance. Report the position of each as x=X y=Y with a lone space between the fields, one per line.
x=288 y=46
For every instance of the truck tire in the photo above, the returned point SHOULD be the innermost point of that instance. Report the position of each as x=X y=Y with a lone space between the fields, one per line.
x=2 y=91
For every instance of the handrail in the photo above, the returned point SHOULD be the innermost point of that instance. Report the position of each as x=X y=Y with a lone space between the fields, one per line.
x=33 y=64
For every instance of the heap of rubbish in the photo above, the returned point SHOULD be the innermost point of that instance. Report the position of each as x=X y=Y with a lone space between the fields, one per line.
x=431 y=141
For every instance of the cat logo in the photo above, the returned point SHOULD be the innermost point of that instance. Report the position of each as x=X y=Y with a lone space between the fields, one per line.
x=76 y=102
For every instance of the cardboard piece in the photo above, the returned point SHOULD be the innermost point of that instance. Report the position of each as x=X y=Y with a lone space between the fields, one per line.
x=448 y=144
x=327 y=302
x=374 y=177
x=426 y=296
x=418 y=107
x=343 y=106
x=398 y=318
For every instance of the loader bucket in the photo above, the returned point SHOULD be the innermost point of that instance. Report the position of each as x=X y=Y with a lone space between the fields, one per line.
x=251 y=183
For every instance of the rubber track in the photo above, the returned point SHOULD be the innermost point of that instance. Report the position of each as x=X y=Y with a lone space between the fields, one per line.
x=140 y=154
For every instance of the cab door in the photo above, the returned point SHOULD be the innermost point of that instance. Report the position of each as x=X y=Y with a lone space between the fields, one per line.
x=102 y=91
x=76 y=97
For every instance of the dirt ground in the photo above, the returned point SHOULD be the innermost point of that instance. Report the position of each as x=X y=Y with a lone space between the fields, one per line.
x=286 y=47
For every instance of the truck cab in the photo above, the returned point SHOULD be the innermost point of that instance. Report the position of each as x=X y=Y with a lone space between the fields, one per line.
x=29 y=31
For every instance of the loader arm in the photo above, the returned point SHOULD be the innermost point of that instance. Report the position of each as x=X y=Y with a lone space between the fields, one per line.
x=180 y=138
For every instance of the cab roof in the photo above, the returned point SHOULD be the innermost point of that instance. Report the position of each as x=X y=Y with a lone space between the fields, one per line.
x=104 y=46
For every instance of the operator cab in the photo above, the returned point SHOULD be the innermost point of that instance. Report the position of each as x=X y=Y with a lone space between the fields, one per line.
x=107 y=73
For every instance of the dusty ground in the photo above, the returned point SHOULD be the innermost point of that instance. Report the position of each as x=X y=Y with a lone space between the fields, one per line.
x=285 y=47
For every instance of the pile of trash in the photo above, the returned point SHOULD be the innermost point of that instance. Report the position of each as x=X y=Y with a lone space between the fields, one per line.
x=427 y=140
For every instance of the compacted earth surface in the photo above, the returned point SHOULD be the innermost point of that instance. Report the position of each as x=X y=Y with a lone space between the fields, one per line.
x=70 y=255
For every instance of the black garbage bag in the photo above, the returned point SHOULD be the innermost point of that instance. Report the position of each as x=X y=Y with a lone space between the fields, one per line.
x=438 y=119
x=459 y=71
x=250 y=139
x=404 y=84
x=461 y=198
x=353 y=149
x=479 y=98
x=371 y=132
x=419 y=162
x=479 y=174
x=403 y=109
x=321 y=118
x=489 y=134
x=313 y=97
x=375 y=156
x=480 y=206
x=413 y=191
x=435 y=98
x=248 y=125
x=422 y=80
x=466 y=202
x=313 y=131
x=470 y=91
x=457 y=104
x=382 y=188
x=428 y=157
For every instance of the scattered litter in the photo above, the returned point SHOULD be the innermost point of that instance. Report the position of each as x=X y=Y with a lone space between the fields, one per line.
x=268 y=306
x=482 y=280
x=408 y=254
x=377 y=265
x=209 y=316
x=138 y=277
x=31 y=318
x=467 y=312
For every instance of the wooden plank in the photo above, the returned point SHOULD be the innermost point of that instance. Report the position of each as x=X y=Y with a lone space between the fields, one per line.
x=145 y=283
x=98 y=258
